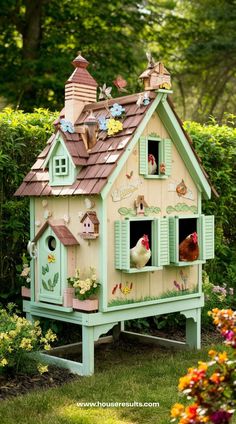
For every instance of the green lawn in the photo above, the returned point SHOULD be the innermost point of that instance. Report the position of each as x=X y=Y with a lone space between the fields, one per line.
x=125 y=373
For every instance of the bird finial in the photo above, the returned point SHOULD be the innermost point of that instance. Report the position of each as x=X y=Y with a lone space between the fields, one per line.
x=150 y=59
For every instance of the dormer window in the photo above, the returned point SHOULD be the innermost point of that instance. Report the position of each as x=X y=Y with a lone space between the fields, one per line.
x=60 y=165
x=155 y=157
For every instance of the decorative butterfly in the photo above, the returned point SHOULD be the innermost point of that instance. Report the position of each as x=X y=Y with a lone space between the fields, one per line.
x=67 y=126
x=120 y=83
x=51 y=259
x=105 y=92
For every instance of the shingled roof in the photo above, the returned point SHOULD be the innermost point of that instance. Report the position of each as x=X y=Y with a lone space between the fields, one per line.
x=98 y=165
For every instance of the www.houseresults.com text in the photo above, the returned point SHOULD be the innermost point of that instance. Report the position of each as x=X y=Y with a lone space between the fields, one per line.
x=118 y=404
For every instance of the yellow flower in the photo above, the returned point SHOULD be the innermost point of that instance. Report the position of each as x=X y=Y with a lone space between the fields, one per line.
x=177 y=410
x=47 y=347
x=184 y=382
x=42 y=368
x=114 y=126
x=26 y=344
x=212 y=353
x=222 y=357
x=3 y=362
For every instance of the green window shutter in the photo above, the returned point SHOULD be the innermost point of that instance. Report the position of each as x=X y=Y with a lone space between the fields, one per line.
x=155 y=244
x=143 y=156
x=164 y=258
x=122 y=248
x=167 y=157
x=173 y=239
x=207 y=244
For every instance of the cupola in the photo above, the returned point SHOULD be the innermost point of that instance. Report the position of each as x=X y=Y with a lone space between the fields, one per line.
x=80 y=89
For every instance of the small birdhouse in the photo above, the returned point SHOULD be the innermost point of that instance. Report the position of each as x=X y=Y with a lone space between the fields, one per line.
x=140 y=204
x=90 y=224
x=156 y=77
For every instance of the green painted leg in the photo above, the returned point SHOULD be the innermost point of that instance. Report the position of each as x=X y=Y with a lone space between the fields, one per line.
x=193 y=329
x=88 y=350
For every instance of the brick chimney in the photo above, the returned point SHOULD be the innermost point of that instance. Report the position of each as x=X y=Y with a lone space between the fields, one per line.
x=80 y=89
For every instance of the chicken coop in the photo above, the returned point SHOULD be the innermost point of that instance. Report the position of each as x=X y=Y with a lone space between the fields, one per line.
x=116 y=213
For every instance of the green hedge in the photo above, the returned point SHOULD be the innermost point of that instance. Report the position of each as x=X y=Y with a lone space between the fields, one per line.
x=216 y=146
x=23 y=136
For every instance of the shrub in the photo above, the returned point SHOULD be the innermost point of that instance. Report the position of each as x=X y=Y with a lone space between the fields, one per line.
x=216 y=296
x=18 y=337
x=22 y=137
x=212 y=384
x=216 y=146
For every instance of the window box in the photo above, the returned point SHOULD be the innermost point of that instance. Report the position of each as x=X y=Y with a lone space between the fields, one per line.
x=128 y=232
x=181 y=226
x=160 y=149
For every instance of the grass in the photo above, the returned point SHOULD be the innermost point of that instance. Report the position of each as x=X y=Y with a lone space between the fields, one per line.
x=124 y=373
x=165 y=295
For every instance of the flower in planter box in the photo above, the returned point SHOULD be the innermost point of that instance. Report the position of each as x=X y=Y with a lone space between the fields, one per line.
x=86 y=285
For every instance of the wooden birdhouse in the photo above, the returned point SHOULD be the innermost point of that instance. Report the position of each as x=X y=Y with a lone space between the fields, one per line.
x=123 y=173
x=90 y=225
x=140 y=205
x=156 y=77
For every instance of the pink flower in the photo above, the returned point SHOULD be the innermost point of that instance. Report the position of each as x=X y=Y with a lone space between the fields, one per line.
x=221 y=417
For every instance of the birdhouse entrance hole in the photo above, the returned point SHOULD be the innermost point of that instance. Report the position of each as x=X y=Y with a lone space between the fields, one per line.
x=137 y=230
x=187 y=226
x=154 y=150
x=51 y=243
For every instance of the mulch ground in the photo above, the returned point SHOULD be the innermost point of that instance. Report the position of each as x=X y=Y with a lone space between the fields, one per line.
x=19 y=384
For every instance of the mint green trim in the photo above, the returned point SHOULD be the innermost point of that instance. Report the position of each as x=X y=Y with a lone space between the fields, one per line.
x=57 y=140
x=193 y=328
x=144 y=269
x=182 y=263
x=156 y=177
x=174 y=129
x=51 y=307
x=199 y=201
x=116 y=314
x=131 y=145
x=103 y=252
x=32 y=235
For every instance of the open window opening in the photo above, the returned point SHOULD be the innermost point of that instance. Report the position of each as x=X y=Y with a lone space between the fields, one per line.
x=187 y=226
x=153 y=157
x=137 y=230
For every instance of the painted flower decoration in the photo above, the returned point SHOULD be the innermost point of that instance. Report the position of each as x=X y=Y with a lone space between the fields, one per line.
x=51 y=259
x=117 y=110
x=102 y=123
x=67 y=126
x=114 y=126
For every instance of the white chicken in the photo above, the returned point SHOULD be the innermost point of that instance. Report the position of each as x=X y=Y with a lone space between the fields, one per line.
x=141 y=253
x=152 y=165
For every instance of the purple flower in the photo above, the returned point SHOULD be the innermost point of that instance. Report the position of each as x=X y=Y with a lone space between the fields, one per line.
x=221 y=417
x=228 y=335
x=177 y=285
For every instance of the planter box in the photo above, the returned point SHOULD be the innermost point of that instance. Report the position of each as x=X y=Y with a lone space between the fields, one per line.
x=68 y=297
x=25 y=292
x=85 y=305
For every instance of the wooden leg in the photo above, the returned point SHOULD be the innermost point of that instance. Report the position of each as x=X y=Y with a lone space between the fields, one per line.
x=193 y=329
x=88 y=350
